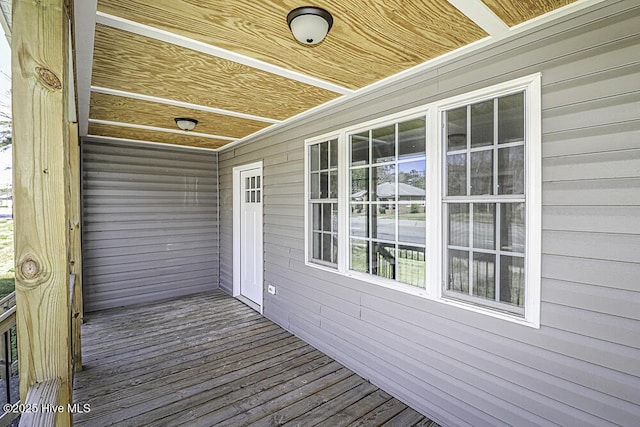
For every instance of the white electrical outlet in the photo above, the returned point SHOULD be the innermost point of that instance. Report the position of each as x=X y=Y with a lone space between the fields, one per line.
x=271 y=289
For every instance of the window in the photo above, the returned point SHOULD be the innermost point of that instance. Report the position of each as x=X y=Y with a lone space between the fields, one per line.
x=484 y=202
x=323 y=201
x=442 y=202
x=387 y=201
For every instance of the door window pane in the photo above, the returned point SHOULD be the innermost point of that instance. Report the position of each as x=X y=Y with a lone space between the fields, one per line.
x=384 y=144
x=482 y=172
x=482 y=124
x=458 y=270
x=511 y=170
x=512 y=227
x=457 y=129
x=457 y=175
x=511 y=118
x=484 y=225
x=459 y=224
x=484 y=275
x=360 y=149
x=411 y=138
x=512 y=280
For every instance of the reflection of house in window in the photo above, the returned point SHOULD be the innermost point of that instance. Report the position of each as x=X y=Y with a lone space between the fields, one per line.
x=386 y=192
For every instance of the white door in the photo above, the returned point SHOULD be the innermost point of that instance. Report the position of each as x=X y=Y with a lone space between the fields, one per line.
x=251 y=235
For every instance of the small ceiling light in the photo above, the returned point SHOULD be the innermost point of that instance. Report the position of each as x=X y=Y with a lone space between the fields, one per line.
x=186 y=123
x=309 y=24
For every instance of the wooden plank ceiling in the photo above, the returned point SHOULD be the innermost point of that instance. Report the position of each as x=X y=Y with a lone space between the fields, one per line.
x=235 y=67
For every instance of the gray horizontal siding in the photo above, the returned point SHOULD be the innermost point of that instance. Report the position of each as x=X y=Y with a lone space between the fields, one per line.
x=458 y=367
x=150 y=223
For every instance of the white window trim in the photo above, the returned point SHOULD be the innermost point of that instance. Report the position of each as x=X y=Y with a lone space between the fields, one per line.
x=433 y=112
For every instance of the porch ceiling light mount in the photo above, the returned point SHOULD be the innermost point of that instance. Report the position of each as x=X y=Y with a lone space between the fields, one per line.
x=309 y=24
x=186 y=123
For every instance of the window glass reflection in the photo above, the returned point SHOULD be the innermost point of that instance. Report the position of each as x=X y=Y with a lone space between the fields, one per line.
x=511 y=170
x=360 y=148
x=457 y=175
x=384 y=144
x=511 y=118
x=411 y=223
x=482 y=124
x=411 y=138
x=457 y=129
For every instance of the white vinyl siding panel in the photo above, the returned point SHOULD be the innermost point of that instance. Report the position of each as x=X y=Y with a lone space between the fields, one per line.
x=465 y=368
x=150 y=223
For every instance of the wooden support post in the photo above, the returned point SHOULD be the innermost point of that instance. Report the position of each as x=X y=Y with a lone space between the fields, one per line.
x=75 y=243
x=40 y=48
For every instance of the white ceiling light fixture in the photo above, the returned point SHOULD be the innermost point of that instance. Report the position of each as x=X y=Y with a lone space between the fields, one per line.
x=186 y=123
x=309 y=24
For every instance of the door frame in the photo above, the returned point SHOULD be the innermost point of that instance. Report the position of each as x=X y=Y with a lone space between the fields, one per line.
x=237 y=206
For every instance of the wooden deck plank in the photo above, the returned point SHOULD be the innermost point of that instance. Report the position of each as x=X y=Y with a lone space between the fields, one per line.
x=381 y=414
x=209 y=359
x=408 y=417
x=182 y=400
x=275 y=398
x=234 y=382
x=358 y=409
x=155 y=381
x=324 y=411
x=165 y=356
x=283 y=409
x=136 y=352
x=201 y=323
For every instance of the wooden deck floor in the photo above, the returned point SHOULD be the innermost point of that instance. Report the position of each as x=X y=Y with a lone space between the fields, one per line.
x=210 y=360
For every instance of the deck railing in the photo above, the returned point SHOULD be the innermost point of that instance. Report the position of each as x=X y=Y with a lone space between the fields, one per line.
x=9 y=350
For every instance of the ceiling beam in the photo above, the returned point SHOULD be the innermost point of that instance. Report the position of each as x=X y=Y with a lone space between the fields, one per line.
x=159 y=129
x=84 y=24
x=116 y=92
x=198 y=46
x=484 y=17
